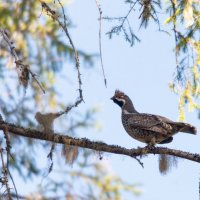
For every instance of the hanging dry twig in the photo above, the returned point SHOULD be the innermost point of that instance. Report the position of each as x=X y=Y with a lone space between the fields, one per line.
x=23 y=70
x=50 y=157
x=100 y=48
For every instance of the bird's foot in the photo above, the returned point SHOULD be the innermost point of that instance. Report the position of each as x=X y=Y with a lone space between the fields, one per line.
x=151 y=147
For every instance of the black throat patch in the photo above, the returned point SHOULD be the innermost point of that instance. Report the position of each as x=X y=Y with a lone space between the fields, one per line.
x=119 y=103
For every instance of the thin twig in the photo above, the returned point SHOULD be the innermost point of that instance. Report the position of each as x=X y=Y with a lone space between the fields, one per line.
x=129 y=36
x=5 y=178
x=50 y=157
x=13 y=184
x=100 y=48
x=175 y=31
x=55 y=17
x=8 y=154
x=63 y=12
x=39 y=84
x=130 y=10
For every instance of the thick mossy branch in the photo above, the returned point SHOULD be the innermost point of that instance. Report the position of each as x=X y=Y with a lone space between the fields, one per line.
x=97 y=146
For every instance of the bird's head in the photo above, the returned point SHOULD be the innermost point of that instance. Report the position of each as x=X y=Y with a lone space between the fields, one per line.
x=120 y=98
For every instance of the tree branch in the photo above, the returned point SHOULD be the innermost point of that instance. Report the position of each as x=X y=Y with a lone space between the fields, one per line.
x=97 y=146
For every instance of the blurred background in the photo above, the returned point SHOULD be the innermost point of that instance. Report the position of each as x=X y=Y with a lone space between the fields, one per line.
x=146 y=71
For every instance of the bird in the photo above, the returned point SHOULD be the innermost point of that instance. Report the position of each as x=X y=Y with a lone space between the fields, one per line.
x=148 y=128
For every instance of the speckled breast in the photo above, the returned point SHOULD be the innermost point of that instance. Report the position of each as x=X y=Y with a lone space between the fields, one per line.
x=145 y=136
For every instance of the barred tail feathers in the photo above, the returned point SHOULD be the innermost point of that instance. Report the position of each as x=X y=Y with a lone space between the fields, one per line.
x=187 y=128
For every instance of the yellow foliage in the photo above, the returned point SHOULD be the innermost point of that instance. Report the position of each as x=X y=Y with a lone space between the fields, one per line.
x=197 y=45
x=172 y=17
x=20 y=43
x=38 y=99
x=52 y=101
x=188 y=96
x=171 y=86
x=98 y=126
x=188 y=13
x=181 y=108
x=51 y=78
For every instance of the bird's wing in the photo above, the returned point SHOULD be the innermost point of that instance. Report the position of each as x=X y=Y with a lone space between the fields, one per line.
x=150 y=122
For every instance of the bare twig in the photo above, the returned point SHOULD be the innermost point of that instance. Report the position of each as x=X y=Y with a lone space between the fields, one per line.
x=50 y=157
x=130 y=10
x=175 y=31
x=128 y=34
x=16 y=193
x=100 y=48
x=8 y=146
x=34 y=77
x=63 y=12
x=5 y=178
x=123 y=19
x=97 y=146
x=55 y=17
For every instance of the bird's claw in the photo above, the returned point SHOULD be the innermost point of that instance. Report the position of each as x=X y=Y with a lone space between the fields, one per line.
x=151 y=147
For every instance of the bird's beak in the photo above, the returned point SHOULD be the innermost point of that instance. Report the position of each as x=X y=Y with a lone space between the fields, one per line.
x=112 y=98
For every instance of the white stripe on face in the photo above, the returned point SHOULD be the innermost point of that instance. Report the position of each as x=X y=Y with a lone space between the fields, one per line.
x=122 y=100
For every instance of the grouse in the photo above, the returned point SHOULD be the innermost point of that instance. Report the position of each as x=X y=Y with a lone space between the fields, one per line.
x=148 y=128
